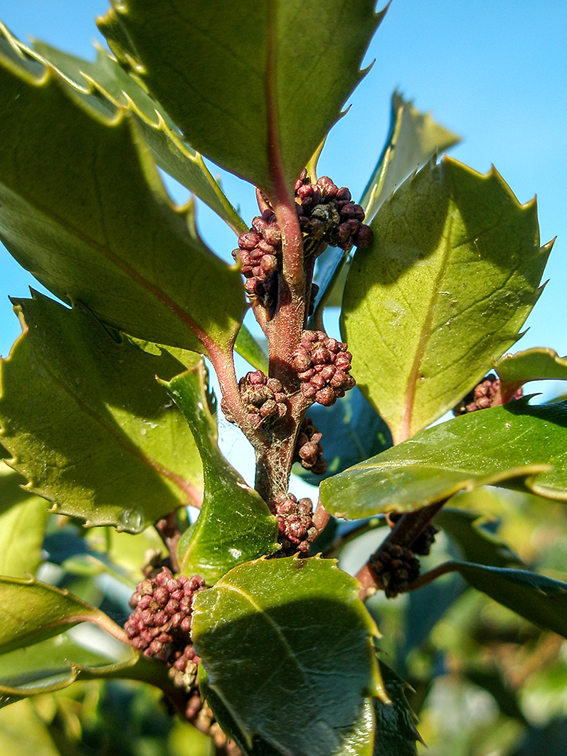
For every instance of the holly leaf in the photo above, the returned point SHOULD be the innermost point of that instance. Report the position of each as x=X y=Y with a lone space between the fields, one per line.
x=101 y=230
x=496 y=446
x=256 y=97
x=476 y=542
x=446 y=285
x=274 y=636
x=234 y=524
x=537 y=598
x=352 y=431
x=11 y=487
x=413 y=137
x=22 y=528
x=396 y=734
x=170 y=152
x=537 y=364
x=87 y=424
x=248 y=348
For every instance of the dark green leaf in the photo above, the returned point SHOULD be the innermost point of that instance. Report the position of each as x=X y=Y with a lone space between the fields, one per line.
x=539 y=599
x=92 y=228
x=234 y=524
x=288 y=648
x=537 y=364
x=490 y=447
x=476 y=542
x=87 y=423
x=422 y=333
x=254 y=85
x=396 y=734
x=352 y=432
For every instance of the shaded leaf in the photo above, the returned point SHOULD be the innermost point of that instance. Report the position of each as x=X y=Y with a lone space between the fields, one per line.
x=537 y=364
x=476 y=543
x=490 y=447
x=539 y=599
x=352 y=432
x=34 y=611
x=24 y=732
x=256 y=632
x=87 y=423
x=234 y=524
x=422 y=333
x=492 y=681
x=169 y=151
x=413 y=137
x=99 y=241
x=396 y=734
x=256 y=97
x=247 y=347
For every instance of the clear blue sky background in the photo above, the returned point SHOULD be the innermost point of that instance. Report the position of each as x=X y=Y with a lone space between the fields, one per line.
x=495 y=71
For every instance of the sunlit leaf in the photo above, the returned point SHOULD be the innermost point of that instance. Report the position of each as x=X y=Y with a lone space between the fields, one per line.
x=100 y=230
x=450 y=278
x=21 y=536
x=488 y=447
x=88 y=425
x=537 y=364
x=234 y=524
x=287 y=646
x=256 y=85
x=413 y=137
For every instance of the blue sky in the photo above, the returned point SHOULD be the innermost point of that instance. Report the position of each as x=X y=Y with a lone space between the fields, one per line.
x=494 y=72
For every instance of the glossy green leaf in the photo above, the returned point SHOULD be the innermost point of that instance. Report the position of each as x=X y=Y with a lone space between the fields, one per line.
x=476 y=542
x=100 y=230
x=87 y=423
x=539 y=599
x=489 y=447
x=254 y=85
x=288 y=648
x=21 y=536
x=34 y=611
x=352 y=431
x=396 y=734
x=234 y=524
x=422 y=333
x=413 y=137
x=537 y=364
x=169 y=151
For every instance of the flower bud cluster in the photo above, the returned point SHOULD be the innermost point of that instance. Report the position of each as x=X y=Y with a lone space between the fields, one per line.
x=395 y=566
x=425 y=540
x=308 y=449
x=263 y=398
x=161 y=623
x=323 y=366
x=259 y=254
x=295 y=523
x=327 y=215
x=482 y=396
